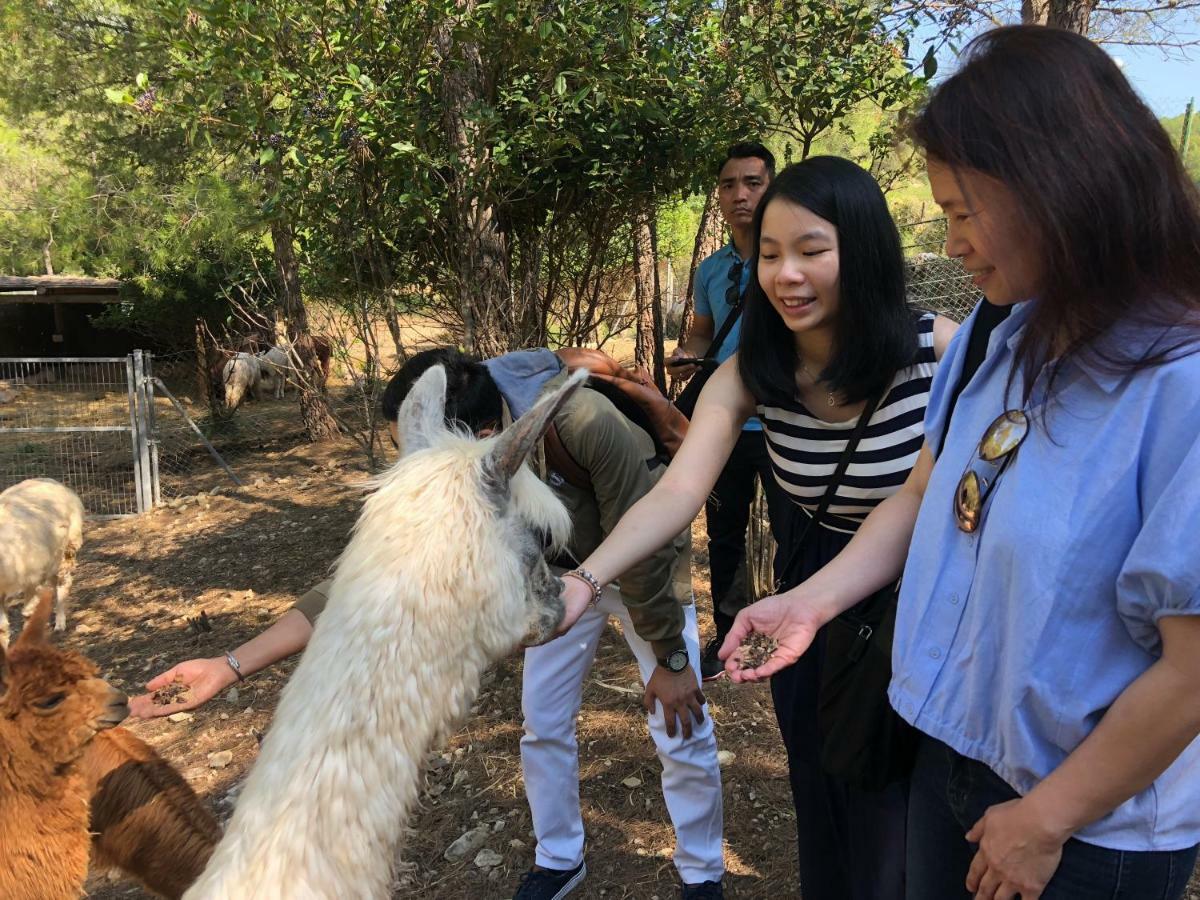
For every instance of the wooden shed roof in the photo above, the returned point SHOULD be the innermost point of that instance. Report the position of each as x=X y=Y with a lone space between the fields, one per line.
x=58 y=289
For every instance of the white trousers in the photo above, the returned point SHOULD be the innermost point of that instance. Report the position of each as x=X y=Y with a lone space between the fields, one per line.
x=552 y=692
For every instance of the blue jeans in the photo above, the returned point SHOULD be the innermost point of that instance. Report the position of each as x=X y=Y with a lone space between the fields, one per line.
x=949 y=793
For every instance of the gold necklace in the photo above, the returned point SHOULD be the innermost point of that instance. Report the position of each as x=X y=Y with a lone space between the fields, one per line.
x=816 y=382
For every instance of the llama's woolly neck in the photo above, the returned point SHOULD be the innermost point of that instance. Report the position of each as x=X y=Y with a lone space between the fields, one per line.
x=418 y=607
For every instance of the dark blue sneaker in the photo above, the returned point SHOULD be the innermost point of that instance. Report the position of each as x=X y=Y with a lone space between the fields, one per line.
x=706 y=890
x=552 y=884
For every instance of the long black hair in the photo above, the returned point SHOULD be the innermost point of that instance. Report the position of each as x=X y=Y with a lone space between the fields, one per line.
x=1111 y=217
x=875 y=333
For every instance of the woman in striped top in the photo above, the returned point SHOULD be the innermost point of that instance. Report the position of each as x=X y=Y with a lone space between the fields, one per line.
x=826 y=329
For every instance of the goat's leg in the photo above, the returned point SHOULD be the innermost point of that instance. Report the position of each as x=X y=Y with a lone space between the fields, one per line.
x=62 y=588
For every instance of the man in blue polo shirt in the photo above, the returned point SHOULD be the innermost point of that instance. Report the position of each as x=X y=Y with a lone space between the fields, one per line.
x=720 y=284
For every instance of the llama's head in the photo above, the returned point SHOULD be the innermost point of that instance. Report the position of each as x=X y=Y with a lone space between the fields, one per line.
x=51 y=704
x=471 y=517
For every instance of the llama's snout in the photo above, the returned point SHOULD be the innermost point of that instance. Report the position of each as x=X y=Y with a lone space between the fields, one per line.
x=546 y=608
x=116 y=708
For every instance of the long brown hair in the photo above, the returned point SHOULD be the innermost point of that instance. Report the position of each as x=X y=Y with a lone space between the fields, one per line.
x=1112 y=219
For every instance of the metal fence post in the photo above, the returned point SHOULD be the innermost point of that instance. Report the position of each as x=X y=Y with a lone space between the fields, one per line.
x=152 y=430
x=141 y=435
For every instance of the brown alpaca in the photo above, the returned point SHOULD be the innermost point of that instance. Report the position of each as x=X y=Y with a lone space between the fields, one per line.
x=146 y=820
x=51 y=705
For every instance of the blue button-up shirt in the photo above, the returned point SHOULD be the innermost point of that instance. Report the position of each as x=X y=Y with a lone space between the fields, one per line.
x=712 y=284
x=1013 y=642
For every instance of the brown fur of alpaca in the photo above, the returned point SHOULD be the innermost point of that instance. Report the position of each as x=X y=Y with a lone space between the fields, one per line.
x=146 y=820
x=51 y=705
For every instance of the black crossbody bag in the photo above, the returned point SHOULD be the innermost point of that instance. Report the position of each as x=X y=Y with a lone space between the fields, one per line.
x=863 y=741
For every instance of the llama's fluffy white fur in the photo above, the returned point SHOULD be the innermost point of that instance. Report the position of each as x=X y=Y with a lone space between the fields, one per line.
x=435 y=584
x=275 y=367
x=41 y=530
x=241 y=376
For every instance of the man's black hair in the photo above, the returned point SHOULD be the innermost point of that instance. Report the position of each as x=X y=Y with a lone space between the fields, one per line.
x=749 y=150
x=472 y=396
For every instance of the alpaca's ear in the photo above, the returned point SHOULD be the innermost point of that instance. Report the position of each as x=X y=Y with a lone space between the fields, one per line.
x=423 y=412
x=34 y=631
x=516 y=442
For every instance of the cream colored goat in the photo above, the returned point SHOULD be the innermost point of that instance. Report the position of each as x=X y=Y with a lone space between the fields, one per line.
x=444 y=574
x=41 y=530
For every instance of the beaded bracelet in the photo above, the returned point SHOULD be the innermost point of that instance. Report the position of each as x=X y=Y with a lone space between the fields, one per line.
x=587 y=578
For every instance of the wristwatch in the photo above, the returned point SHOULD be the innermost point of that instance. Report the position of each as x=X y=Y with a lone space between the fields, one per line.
x=676 y=661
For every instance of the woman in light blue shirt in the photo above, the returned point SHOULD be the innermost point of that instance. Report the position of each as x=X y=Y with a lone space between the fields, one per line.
x=1048 y=638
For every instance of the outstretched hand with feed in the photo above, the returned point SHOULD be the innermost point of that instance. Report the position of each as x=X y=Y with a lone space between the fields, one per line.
x=788 y=621
x=185 y=686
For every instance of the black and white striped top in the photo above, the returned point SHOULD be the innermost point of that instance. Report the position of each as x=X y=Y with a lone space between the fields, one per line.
x=805 y=450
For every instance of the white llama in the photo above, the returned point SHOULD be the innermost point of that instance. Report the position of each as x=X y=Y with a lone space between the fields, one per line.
x=444 y=574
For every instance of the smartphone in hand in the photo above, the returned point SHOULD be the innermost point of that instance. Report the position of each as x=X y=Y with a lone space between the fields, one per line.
x=702 y=362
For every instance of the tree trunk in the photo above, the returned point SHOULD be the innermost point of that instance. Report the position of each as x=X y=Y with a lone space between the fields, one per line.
x=209 y=366
x=314 y=411
x=648 y=349
x=1035 y=12
x=656 y=308
x=1073 y=15
x=476 y=244
x=393 y=324
x=709 y=235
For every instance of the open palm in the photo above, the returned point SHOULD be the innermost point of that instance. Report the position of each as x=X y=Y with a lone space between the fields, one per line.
x=204 y=678
x=791 y=623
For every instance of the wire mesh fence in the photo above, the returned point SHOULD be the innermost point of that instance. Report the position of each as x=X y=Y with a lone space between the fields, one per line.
x=935 y=281
x=245 y=438
x=71 y=419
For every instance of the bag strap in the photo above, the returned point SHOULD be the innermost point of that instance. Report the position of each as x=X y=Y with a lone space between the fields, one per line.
x=560 y=459
x=835 y=479
x=723 y=332
x=730 y=320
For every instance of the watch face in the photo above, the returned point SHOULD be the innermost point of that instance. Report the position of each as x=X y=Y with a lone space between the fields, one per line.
x=677 y=661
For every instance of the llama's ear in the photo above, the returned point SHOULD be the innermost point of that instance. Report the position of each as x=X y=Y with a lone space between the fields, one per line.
x=423 y=412
x=34 y=631
x=516 y=442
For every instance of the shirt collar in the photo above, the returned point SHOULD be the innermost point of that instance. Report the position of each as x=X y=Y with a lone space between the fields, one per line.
x=1131 y=339
x=731 y=249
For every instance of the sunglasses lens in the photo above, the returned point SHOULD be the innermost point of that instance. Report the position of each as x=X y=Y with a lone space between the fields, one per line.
x=967 y=502
x=1004 y=435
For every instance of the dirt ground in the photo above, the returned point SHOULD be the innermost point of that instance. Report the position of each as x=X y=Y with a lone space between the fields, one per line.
x=243 y=556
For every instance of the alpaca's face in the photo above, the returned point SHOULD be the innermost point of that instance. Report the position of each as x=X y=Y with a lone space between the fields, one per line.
x=51 y=704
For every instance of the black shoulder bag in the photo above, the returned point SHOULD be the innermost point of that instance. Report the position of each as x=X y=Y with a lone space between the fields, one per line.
x=863 y=741
x=686 y=401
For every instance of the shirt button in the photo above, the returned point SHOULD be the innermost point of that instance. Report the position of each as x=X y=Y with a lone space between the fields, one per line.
x=935 y=653
x=954 y=599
